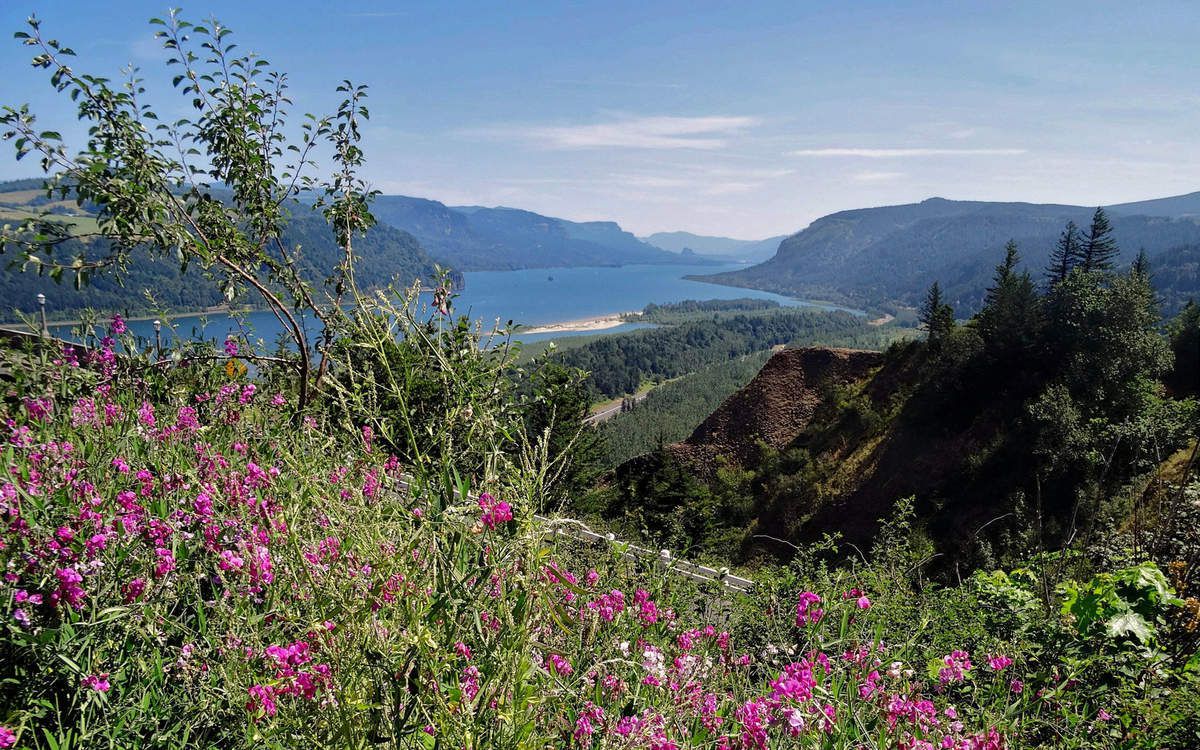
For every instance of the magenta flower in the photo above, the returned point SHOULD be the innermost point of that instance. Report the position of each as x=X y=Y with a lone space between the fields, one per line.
x=69 y=590
x=806 y=613
x=559 y=665
x=117 y=325
x=494 y=512
x=97 y=682
x=8 y=737
x=262 y=700
x=231 y=349
x=133 y=590
x=999 y=662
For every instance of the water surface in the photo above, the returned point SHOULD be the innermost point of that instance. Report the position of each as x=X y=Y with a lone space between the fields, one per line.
x=530 y=297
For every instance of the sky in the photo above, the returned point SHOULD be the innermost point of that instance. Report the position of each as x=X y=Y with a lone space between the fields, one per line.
x=746 y=119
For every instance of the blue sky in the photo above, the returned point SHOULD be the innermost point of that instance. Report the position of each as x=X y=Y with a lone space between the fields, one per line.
x=742 y=119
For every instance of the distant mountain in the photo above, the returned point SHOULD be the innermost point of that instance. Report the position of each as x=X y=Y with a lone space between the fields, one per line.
x=384 y=254
x=893 y=253
x=1178 y=206
x=717 y=247
x=474 y=238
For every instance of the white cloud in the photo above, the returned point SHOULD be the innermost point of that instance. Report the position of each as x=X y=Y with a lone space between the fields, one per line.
x=636 y=132
x=903 y=153
x=876 y=176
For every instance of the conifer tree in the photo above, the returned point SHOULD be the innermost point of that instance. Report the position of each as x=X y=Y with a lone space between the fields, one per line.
x=935 y=314
x=1066 y=254
x=1141 y=265
x=1010 y=318
x=1099 y=248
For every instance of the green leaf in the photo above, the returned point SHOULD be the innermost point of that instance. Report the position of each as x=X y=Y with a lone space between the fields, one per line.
x=1131 y=623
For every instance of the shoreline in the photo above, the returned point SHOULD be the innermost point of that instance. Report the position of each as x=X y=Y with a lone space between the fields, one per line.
x=166 y=317
x=583 y=325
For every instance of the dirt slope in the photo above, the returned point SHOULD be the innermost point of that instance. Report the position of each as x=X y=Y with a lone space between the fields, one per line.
x=775 y=407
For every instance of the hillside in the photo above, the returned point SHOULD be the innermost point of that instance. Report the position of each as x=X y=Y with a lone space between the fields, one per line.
x=1043 y=403
x=384 y=254
x=716 y=247
x=892 y=253
x=774 y=407
x=474 y=238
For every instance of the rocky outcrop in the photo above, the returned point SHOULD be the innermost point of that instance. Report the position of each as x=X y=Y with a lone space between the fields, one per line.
x=774 y=408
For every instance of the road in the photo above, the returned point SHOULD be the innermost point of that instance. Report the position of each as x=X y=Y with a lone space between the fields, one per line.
x=609 y=412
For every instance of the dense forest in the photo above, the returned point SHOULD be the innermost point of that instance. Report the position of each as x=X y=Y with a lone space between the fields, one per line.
x=620 y=364
x=674 y=312
x=672 y=410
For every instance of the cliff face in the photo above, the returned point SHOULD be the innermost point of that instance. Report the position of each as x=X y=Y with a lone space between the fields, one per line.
x=774 y=408
x=836 y=467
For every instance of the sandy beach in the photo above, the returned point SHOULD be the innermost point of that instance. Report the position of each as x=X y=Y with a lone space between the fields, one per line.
x=587 y=325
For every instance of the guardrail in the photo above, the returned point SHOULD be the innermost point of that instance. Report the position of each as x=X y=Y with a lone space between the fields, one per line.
x=577 y=530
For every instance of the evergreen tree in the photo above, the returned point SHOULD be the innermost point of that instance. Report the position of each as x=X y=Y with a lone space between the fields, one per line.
x=1184 y=334
x=1141 y=265
x=1099 y=248
x=935 y=314
x=1010 y=318
x=556 y=413
x=1066 y=254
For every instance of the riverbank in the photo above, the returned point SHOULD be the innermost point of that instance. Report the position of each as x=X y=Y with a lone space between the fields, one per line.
x=586 y=325
x=103 y=318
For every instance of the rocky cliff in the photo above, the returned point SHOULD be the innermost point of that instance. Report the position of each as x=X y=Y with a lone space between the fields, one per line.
x=774 y=408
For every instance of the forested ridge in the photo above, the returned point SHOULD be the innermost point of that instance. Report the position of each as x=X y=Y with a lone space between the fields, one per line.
x=385 y=254
x=872 y=256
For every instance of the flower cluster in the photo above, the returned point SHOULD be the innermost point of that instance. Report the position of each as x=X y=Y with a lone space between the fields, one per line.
x=493 y=512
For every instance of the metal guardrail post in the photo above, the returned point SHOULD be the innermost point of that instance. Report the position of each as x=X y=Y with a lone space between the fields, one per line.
x=41 y=299
x=573 y=529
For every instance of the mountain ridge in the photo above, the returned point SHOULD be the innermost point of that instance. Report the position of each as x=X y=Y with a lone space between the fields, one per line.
x=716 y=247
x=477 y=238
x=893 y=253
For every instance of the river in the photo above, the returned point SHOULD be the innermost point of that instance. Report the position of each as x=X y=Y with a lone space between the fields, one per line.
x=530 y=297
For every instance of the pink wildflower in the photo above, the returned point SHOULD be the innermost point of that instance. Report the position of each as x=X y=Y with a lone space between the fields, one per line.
x=494 y=512
x=8 y=737
x=999 y=662
x=97 y=682
x=806 y=613
x=559 y=665
x=262 y=700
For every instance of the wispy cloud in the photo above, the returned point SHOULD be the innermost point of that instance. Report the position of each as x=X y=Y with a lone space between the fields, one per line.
x=905 y=153
x=876 y=176
x=634 y=132
x=616 y=84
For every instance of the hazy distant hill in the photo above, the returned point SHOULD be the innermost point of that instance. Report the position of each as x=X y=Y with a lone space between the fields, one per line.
x=1178 y=205
x=473 y=238
x=893 y=253
x=720 y=247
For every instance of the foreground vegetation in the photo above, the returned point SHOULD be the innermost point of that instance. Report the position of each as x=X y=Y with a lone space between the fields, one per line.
x=184 y=568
